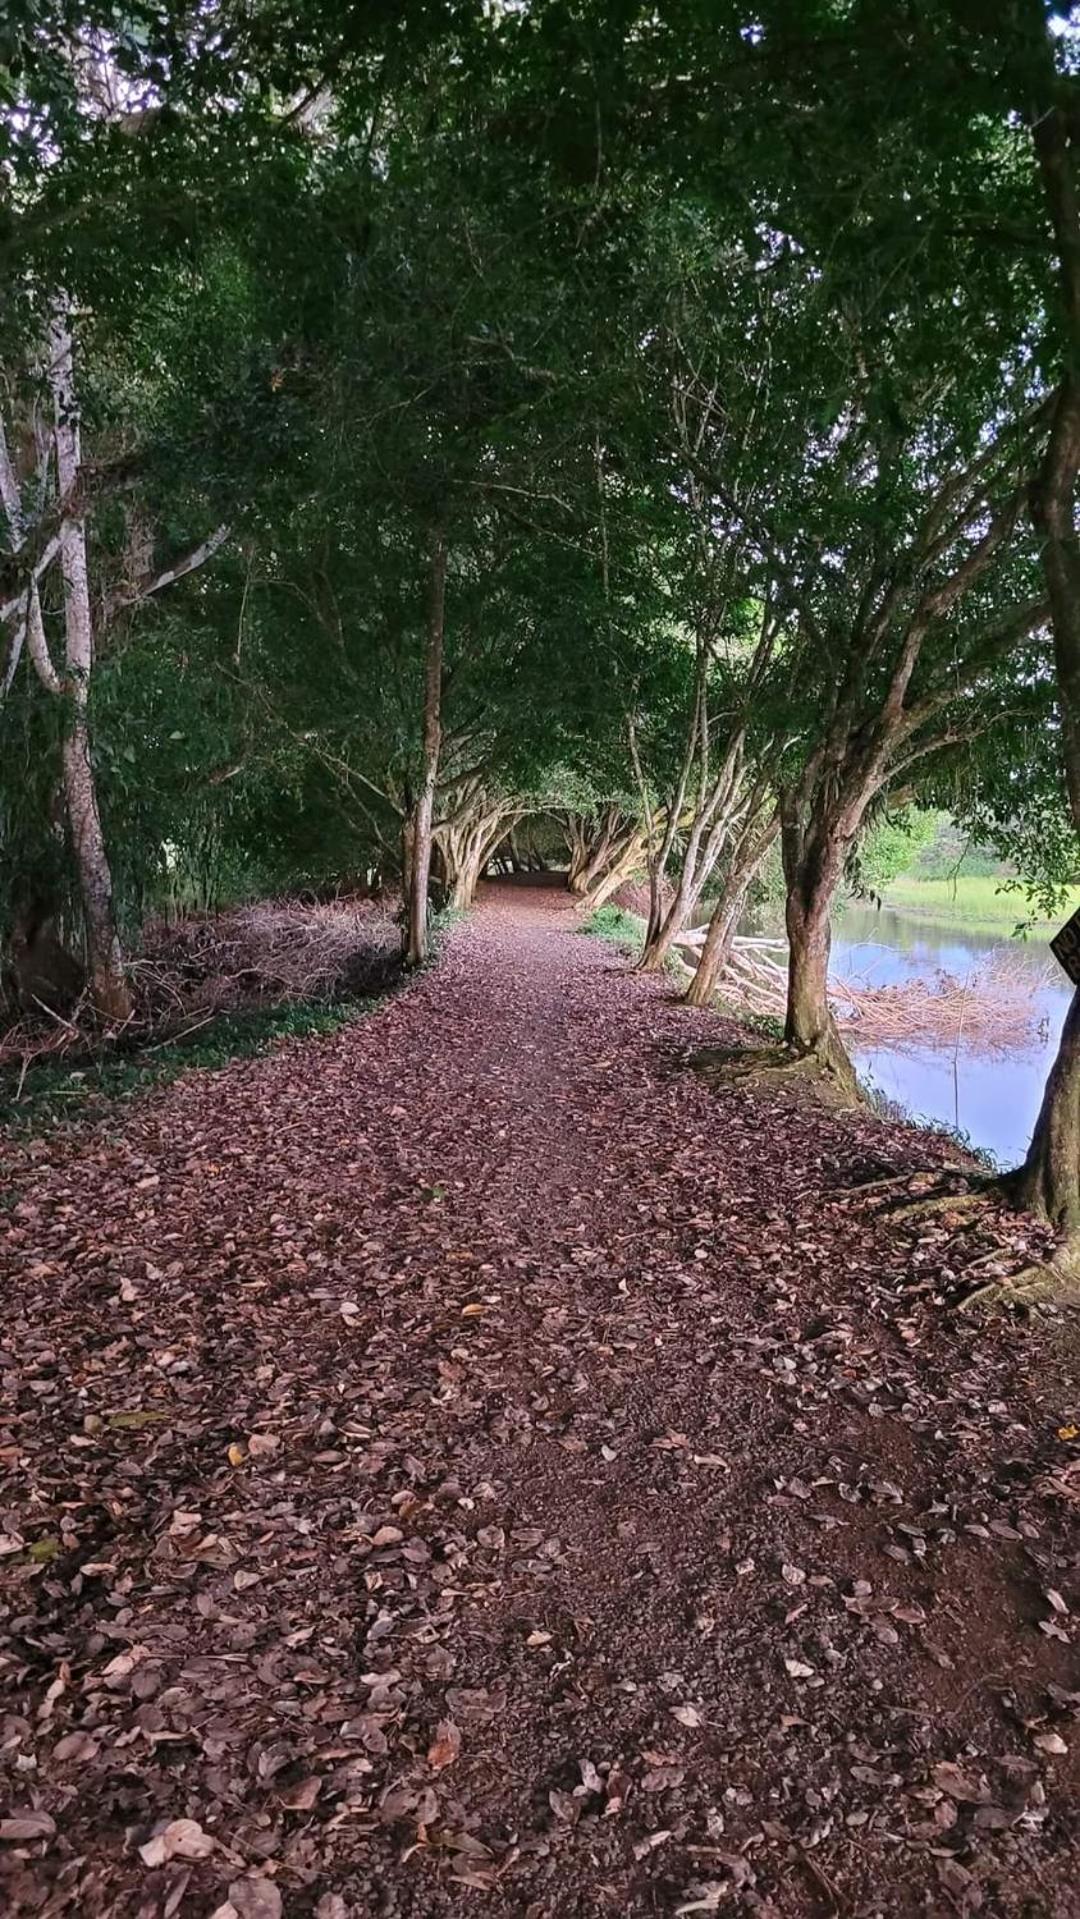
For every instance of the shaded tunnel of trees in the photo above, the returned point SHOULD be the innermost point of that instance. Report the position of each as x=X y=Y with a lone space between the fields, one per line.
x=652 y=430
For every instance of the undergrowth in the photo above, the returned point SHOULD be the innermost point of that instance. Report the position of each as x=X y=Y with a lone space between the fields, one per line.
x=620 y=928
x=627 y=932
x=53 y=1091
x=762 y=1025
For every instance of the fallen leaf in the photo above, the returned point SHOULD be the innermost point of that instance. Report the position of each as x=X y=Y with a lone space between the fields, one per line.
x=181 y=1839
x=255 y=1898
x=709 y=1897
x=24 y=1826
x=687 y=1715
x=649 y=1844
x=446 y=1745
x=302 y=1796
x=76 y=1745
x=959 y=1785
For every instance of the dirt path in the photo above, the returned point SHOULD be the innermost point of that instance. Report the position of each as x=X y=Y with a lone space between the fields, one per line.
x=470 y=1464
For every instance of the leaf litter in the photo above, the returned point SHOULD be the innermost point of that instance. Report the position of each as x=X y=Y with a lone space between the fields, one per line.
x=437 y=1475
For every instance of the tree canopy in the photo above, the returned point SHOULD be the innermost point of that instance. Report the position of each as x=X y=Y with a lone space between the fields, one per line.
x=421 y=419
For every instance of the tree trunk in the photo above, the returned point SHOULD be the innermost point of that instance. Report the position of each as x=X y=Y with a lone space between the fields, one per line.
x=697 y=868
x=578 y=849
x=111 y=993
x=809 y=1029
x=716 y=951
x=465 y=854
x=717 y=807
x=622 y=869
x=1047 y=1183
x=657 y=947
x=600 y=853
x=467 y=840
x=727 y=913
x=417 y=836
x=109 y=988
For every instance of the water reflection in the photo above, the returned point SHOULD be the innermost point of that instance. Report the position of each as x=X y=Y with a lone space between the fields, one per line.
x=992 y=1097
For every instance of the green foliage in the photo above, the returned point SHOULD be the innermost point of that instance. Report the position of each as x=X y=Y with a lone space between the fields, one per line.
x=671 y=325
x=612 y=923
x=953 y=853
x=993 y=903
x=761 y=1025
x=893 y=846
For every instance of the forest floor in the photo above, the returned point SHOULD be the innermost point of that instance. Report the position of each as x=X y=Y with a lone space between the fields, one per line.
x=471 y=1463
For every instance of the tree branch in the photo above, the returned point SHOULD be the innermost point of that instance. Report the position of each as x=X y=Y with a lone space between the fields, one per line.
x=155 y=582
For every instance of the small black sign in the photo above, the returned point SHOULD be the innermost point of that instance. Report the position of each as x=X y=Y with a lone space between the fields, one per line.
x=1065 y=946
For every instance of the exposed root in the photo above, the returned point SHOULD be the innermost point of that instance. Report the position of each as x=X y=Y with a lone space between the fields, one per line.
x=912 y=1183
x=868 y=1187
x=985 y=1193
x=1055 y=1282
x=977 y=1189
x=779 y=1066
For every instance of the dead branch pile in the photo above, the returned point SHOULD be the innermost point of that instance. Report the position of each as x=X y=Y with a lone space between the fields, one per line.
x=996 y=1008
x=273 y=951
x=264 y=955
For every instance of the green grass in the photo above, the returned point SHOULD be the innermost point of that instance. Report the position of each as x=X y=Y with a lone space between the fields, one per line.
x=627 y=932
x=54 y=1091
x=620 y=928
x=764 y=1026
x=972 y=900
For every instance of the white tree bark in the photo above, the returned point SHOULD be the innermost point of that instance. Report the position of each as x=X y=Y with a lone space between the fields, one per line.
x=22 y=629
x=417 y=836
x=111 y=993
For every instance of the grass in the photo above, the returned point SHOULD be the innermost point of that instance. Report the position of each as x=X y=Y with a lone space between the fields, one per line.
x=627 y=932
x=620 y=928
x=762 y=1025
x=55 y=1091
x=975 y=901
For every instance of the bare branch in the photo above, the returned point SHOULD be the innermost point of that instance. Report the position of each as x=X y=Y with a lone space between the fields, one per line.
x=155 y=582
x=37 y=645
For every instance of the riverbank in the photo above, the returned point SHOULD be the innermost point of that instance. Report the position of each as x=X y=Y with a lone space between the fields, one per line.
x=975 y=903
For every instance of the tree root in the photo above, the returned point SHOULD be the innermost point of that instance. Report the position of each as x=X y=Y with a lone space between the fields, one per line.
x=867 y=1187
x=984 y=1194
x=978 y=1189
x=779 y=1065
x=1054 y=1282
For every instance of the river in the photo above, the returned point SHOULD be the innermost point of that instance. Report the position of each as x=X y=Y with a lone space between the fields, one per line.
x=992 y=1097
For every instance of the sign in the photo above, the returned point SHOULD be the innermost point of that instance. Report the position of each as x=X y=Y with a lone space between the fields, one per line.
x=1065 y=946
